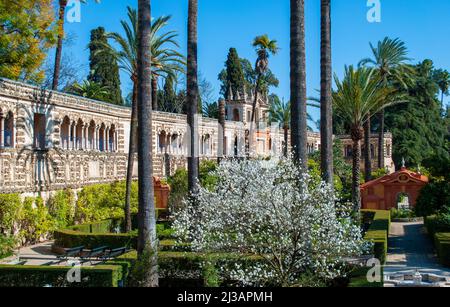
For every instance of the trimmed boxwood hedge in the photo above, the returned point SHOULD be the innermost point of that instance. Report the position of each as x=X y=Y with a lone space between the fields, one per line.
x=99 y=234
x=435 y=224
x=55 y=276
x=378 y=232
x=442 y=243
x=177 y=267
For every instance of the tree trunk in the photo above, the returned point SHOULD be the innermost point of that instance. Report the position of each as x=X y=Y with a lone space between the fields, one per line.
x=286 y=140
x=58 y=53
x=326 y=104
x=357 y=136
x=155 y=93
x=253 y=119
x=298 y=83
x=147 y=239
x=367 y=151
x=192 y=96
x=381 y=141
x=131 y=155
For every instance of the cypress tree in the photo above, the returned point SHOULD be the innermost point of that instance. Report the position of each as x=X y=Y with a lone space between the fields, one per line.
x=104 y=69
x=235 y=74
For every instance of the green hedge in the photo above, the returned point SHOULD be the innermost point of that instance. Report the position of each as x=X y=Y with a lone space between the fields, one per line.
x=54 y=276
x=442 y=243
x=435 y=224
x=98 y=234
x=378 y=232
x=172 y=265
x=358 y=279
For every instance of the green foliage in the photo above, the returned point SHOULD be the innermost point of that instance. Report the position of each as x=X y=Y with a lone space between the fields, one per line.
x=7 y=246
x=402 y=213
x=234 y=75
x=104 y=201
x=10 y=209
x=55 y=276
x=381 y=172
x=442 y=243
x=104 y=69
x=437 y=223
x=358 y=279
x=418 y=128
x=433 y=198
x=89 y=89
x=35 y=222
x=27 y=31
x=179 y=183
x=61 y=207
x=378 y=232
x=71 y=238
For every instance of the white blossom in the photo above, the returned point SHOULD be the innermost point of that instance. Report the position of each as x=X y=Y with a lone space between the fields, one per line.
x=275 y=211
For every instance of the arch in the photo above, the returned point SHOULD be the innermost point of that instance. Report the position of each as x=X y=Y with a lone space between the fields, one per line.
x=174 y=144
x=79 y=134
x=112 y=138
x=65 y=133
x=8 y=134
x=162 y=142
x=206 y=145
x=102 y=137
x=91 y=135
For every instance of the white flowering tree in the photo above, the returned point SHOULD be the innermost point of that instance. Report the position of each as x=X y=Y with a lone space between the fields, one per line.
x=276 y=212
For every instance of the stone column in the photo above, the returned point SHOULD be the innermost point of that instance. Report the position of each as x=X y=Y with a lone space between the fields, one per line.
x=2 y=132
x=73 y=128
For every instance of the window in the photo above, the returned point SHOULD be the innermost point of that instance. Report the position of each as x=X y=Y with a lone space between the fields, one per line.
x=39 y=131
x=8 y=136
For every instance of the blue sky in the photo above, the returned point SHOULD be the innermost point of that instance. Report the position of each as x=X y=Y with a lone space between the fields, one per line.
x=422 y=24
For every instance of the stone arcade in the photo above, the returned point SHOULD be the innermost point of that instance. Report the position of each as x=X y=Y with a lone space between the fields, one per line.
x=51 y=141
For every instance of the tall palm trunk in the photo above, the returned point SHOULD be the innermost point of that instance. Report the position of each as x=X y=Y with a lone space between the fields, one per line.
x=155 y=93
x=286 y=140
x=357 y=136
x=58 y=54
x=252 y=135
x=131 y=155
x=367 y=151
x=192 y=96
x=381 y=140
x=298 y=83
x=147 y=239
x=326 y=104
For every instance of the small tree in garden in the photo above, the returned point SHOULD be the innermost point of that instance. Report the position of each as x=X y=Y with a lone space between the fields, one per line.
x=276 y=212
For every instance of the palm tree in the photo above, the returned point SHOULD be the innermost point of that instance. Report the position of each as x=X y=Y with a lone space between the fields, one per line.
x=90 y=89
x=389 y=58
x=164 y=61
x=59 y=46
x=298 y=83
x=326 y=104
x=147 y=239
x=280 y=112
x=442 y=79
x=264 y=47
x=358 y=95
x=192 y=96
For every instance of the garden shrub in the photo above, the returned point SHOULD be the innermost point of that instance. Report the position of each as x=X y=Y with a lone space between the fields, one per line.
x=437 y=223
x=55 y=276
x=10 y=208
x=433 y=198
x=35 y=221
x=71 y=238
x=7 y=246
x=61 y=206
x=442 y=243
x=378 y=232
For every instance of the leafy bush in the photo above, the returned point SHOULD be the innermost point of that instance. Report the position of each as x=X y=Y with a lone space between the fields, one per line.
x=61 y=206
x=437 y=223
x=442 y=243
x=179 y=183
x=7 y=246
x=55 y=276
x=70 y=238
x=10 y=209
x=433 y=198
x=104 y=201
x=402 y=213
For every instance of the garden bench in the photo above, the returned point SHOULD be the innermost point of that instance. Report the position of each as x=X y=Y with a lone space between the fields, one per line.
x=113 y=253
x=95 y=253
x=71 y=252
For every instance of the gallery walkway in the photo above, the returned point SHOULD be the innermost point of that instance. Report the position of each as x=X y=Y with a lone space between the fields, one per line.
x=411 y=249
